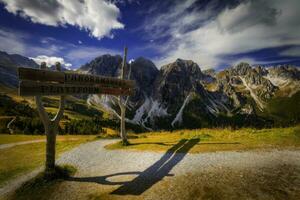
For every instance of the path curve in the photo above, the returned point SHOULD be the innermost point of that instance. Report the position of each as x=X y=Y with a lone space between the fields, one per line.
x=119 y=174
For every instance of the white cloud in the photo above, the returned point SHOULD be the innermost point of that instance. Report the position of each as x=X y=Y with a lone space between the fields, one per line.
x=99 y=17
x=79 y=42
x=51 y=60
x=68 y=65
x=251 y=25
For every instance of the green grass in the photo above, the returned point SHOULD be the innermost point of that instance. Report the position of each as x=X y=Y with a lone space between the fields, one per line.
x=22 y=159
x=211 y=140
x=285 y=110
x=6 y=138
x=37 y=187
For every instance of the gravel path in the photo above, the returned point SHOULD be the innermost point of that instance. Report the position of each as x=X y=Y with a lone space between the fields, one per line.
x=119 y=174
x=143 y=175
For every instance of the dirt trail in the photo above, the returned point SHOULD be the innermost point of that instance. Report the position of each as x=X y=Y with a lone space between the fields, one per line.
x=118 y=174
x=104 y=174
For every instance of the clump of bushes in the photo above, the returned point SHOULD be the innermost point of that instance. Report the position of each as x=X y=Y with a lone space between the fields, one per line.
x=26 y=125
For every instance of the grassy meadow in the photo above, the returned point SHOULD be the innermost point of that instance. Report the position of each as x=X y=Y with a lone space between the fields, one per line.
x=6 y=138
x=21 y=159
x=211 y=140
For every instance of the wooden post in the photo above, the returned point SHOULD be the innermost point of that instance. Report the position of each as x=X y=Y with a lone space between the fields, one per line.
x=51 y=128
x=41 y=82
x=122 y=103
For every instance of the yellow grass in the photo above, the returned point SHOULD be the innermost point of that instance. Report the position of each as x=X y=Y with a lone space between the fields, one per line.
x=211 y=140
x=21 y=159
x=5 y=138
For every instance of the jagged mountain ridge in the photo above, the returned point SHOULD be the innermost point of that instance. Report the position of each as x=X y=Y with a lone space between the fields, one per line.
x=181 y=95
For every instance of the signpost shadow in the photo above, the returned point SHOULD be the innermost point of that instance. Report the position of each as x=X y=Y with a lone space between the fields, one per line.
x=158 y=170
x=149 y=176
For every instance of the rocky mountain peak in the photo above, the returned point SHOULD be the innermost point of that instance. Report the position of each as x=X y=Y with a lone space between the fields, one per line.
x=177 y=80
x=144 y=61
x=241 y=69
x=180 y=93
x=284 y=72
x=144 y=72
x=183 y=67
x=106 y=65
x=261 y=70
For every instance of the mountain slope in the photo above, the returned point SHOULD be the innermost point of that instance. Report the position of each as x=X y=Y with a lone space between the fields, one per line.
x=9 y=63
x=181 y=95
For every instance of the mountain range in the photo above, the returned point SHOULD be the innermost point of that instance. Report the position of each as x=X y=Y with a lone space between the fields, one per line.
x=181 y=95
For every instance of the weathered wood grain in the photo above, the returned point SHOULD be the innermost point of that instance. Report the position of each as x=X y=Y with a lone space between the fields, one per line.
x=34 y=88
x=71 y=78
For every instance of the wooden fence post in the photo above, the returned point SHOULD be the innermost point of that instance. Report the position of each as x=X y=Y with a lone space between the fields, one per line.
x=51 y=127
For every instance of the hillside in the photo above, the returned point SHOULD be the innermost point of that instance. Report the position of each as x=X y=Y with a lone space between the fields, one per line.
x=8 y=67
x=77 y=116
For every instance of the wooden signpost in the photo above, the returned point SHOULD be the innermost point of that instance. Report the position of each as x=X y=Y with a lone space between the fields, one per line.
x=44 y=75
x=43 y=82
x=33 y=88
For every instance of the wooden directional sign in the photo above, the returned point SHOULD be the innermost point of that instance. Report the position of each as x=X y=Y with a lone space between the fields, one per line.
x=33 y=88
x=71 y=78
x=35 y=82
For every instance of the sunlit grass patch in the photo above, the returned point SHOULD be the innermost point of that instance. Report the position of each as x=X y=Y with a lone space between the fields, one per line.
x=217 y=139
x=21 y=159
x=6 y=138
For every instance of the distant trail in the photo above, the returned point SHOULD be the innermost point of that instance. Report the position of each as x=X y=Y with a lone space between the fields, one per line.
x=5 y=146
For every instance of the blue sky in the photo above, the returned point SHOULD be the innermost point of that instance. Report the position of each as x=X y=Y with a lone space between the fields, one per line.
x=215 y=34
